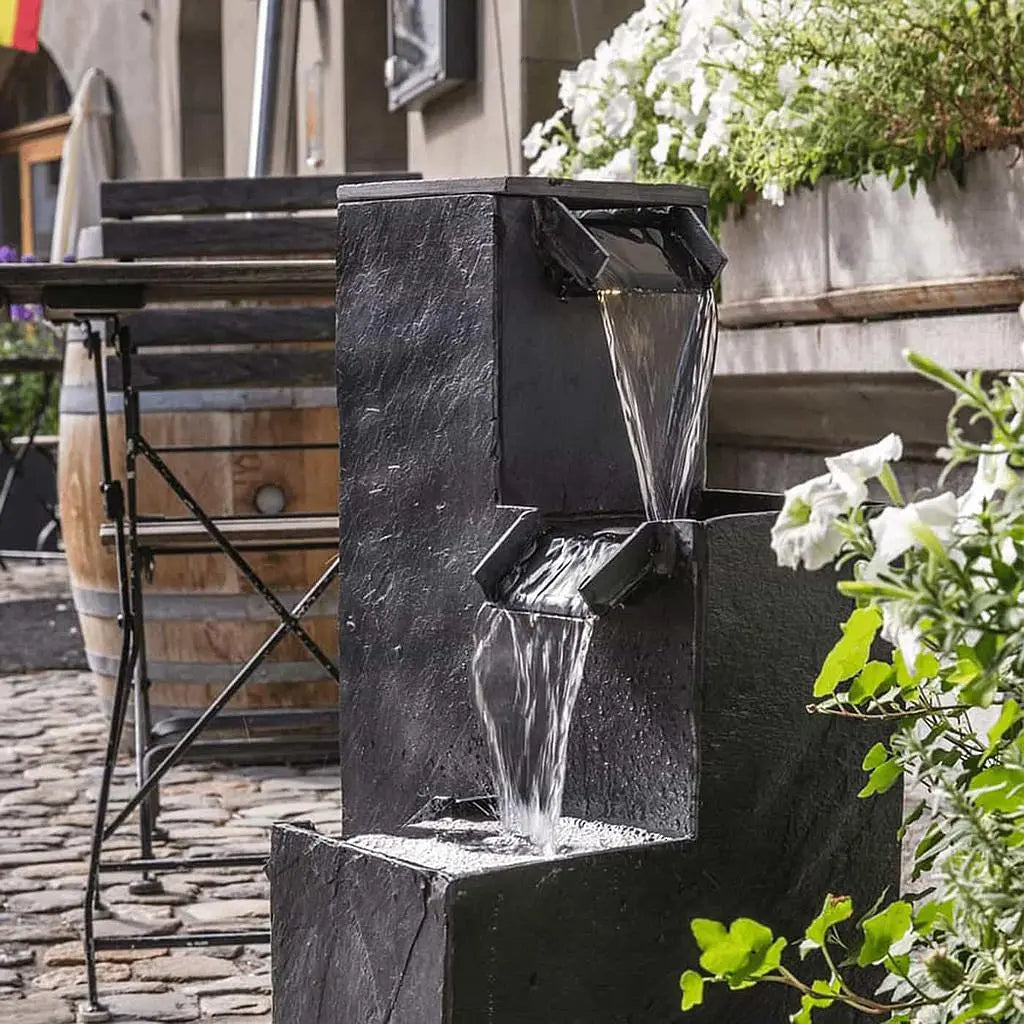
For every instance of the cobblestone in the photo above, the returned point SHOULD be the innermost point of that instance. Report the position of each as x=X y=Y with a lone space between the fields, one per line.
x=51 y=741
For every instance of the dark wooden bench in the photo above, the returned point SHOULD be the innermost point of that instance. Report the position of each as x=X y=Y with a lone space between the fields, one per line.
x=220 y=217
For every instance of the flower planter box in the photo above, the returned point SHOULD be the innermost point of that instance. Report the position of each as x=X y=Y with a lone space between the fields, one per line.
x=822 y=295
x=838 y=251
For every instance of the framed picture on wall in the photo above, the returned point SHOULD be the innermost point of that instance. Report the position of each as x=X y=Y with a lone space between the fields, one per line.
x=431 y=49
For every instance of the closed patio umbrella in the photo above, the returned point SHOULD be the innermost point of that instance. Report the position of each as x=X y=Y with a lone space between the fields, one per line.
x=86 y=160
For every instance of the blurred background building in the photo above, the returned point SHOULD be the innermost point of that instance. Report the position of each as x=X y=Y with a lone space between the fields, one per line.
x=181 y=77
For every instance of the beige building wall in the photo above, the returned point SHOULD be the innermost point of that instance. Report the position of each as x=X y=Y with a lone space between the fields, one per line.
x=523 y=45
x=178 y=113
x=122 y=39
x=348 y=37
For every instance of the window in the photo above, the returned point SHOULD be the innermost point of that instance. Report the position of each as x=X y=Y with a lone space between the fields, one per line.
x=33 y=124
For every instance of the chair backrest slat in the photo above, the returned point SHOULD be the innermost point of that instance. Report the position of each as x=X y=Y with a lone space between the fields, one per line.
x=127 y=199
x=244 y=369
x=298 y=237
x=193 y=219
x=250 y=325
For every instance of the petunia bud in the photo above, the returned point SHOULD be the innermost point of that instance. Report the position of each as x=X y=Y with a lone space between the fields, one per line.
x=943 y=970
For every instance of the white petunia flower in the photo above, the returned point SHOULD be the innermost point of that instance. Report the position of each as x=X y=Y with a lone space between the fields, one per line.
x=699 y=91
x=670 y=109
x=533 y=141
x=660 y=150
x=806 y=530
x=549 y=164
x=675 y=69
x=899 y=629
x=619 y=115
x=568 y=86
x=774 y=193
x=992 y=474
x=897 y=530
x=820 y=78
x=538 y=134
x=852 y=470
x=621 y=167
x=788 y=79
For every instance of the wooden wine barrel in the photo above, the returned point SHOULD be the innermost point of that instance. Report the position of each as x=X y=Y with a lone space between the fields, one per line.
x=202 y=618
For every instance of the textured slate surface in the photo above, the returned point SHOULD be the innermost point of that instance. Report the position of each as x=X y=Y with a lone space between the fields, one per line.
x=563 y=444
x=576 y=193
x=354 y=938
x=415 y=397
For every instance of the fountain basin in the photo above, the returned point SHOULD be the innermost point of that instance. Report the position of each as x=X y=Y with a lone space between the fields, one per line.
x=443 y=924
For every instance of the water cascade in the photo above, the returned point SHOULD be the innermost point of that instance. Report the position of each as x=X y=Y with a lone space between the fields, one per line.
x=663 y=386
x=530 y=651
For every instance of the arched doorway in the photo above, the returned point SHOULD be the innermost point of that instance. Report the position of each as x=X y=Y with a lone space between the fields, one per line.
x=34 y=119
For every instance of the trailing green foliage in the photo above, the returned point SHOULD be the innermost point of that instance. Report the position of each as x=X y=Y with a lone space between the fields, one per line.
x=942 y=579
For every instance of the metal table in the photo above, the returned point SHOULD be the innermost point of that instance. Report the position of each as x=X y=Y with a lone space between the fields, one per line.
x=101 y=292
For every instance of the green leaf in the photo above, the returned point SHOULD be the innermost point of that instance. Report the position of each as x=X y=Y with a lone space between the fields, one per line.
x=872 y=678
x=745 y=952
x=999 y=789
x=882 y=778
x=692 y=985
x=882 y=931
x=968 y=666
x=707 y=933
x=1007 y=717
x=930 y=914
x=808 y=1004
x=904 y=678
x=874 y=757
x=930 y=368
x=836 y=909
x=850 y=654
x=982 y=691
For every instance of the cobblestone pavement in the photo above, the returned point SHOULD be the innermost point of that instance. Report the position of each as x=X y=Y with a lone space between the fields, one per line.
x=51 y=737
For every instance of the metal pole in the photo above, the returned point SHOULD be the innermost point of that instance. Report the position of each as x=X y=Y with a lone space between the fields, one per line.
x=272 y=145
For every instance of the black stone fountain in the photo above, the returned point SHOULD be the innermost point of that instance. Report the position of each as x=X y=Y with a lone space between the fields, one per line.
x=499 y=540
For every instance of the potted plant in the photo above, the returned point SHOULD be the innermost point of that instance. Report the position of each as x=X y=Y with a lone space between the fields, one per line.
x=888 y=131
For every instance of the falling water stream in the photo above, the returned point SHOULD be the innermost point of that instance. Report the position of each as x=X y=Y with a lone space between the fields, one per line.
x=531 y=649
x=662 y=349
x=527 y=672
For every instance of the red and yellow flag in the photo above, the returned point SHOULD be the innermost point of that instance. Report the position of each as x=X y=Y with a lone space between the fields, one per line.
x=19 y=24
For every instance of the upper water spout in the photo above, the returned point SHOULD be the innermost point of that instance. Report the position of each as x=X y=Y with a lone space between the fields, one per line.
x=664 y=249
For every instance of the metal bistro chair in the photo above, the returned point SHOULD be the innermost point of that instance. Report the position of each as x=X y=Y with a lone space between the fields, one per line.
x=168 y=349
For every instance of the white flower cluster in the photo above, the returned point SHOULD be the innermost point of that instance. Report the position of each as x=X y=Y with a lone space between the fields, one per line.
x=809 y=529
x=665 y=91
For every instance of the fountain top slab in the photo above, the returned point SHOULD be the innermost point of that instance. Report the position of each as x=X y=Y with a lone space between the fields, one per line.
x=574 y=193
